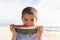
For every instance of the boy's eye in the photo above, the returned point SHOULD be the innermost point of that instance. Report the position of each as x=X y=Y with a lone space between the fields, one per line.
x=26 y=19
x=32 y=19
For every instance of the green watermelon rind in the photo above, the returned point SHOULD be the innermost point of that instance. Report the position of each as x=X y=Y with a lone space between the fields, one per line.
x=26 y=31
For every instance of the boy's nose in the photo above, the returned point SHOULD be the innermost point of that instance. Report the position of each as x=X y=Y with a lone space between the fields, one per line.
x=29 y=23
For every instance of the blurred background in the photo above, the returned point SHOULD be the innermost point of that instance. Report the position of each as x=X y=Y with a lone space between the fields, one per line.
x=48 y=12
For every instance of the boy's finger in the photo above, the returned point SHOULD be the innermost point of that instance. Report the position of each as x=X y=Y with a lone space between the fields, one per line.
x=40 y=28
x=12 y=28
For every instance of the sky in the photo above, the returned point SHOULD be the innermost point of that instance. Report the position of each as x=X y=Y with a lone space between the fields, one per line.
x=48 y=11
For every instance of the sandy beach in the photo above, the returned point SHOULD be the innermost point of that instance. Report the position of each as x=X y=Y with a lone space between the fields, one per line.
x=5 y=34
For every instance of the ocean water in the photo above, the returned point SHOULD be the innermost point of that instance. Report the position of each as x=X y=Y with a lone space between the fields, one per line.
x=52 y=28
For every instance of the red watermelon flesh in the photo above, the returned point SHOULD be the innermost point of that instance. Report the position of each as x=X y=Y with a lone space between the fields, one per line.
x=25 y=27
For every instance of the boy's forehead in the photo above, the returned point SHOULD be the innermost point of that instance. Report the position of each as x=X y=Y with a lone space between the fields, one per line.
x=29 y=15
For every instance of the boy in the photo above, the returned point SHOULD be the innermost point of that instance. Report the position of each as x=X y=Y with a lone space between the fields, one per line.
x=29 y=19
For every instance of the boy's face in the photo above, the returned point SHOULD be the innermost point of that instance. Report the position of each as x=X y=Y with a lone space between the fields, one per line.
x=29 y=19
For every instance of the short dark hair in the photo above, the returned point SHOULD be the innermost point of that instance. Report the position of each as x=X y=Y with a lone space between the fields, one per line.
x=29 y=10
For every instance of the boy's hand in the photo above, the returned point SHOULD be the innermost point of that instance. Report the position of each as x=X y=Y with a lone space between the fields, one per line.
x=40 y=29
x=12 y=29
x=39 y=32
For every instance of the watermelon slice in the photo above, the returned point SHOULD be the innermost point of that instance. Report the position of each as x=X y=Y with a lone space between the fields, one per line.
x=25 y=30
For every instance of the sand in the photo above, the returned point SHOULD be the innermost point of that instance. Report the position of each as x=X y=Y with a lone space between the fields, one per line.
x=52 y=35
x=5 y=34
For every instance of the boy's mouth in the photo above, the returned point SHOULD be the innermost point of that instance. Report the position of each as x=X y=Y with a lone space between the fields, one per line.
x=28 y=25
